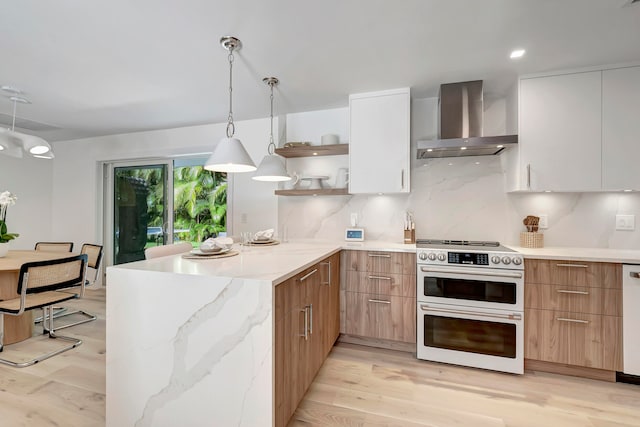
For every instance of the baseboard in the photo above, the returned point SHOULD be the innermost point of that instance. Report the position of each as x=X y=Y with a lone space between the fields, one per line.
x=621 y=377
x=378 y=343
x=572 y=370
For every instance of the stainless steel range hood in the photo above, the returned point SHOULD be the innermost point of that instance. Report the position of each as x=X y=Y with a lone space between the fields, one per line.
x=460 y=110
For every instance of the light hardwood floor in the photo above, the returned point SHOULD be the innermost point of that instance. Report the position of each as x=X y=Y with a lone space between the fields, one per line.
x=357 y=386
x=66 y=390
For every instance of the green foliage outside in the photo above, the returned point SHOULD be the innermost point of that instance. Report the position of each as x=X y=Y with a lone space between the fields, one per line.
x=200 y=201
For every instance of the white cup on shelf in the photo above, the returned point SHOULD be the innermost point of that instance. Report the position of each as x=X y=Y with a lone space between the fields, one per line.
x=330 y=139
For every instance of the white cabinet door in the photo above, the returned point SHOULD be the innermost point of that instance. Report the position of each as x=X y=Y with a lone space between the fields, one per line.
x=379 y=124
x=560 y=132
x=621 y=129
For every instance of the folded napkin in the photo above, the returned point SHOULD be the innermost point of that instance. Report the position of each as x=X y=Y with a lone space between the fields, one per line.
x=218 y=242
x=263 y=235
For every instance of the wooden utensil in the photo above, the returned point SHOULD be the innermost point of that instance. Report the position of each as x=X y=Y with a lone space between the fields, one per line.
x=531 y=222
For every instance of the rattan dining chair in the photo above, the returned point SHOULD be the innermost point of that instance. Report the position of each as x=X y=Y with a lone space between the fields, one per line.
x=54 y=246
x=41 y=285
x=94 y=262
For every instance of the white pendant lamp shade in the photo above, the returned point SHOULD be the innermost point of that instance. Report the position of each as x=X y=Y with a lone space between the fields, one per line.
x=271 y=169
x=230 y=156
x=12 y=143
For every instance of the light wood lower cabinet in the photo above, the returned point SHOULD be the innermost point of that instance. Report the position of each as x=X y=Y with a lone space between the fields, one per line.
x=381 y=316
x=573 y=313
x=379 y=295
x=307 y=324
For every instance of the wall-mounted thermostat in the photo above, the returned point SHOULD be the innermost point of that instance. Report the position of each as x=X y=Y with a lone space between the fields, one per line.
x=354 y=234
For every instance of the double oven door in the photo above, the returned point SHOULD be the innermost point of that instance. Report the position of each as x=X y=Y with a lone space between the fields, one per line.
x=471 y=316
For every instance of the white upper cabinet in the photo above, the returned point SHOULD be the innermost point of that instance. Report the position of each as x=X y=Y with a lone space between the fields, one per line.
x=379 y=144
x=621 y=129
x=559 y=133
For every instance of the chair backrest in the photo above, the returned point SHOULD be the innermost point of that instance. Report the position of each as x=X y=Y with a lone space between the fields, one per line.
x=54 y=246
x=158 y=251
x=51 y=275
x=94 y=254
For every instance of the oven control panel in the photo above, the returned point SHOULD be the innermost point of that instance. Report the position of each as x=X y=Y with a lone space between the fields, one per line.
x=512 y=261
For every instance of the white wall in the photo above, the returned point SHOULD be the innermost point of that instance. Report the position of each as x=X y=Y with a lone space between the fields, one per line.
x=461 y=198
x=76 y=206
x=30 y=180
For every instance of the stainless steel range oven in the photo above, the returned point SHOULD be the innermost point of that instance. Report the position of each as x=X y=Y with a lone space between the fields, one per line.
x=470 y=304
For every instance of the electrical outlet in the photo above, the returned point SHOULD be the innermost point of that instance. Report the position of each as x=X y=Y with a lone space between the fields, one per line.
x=544 y=221
x=626 y=222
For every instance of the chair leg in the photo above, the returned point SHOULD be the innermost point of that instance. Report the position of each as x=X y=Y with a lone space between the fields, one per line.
x=47 y=312
x=89 y=318
x=57 y=312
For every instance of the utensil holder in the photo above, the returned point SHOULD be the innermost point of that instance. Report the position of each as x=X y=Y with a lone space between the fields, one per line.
x=531 y=239
x=410 y=236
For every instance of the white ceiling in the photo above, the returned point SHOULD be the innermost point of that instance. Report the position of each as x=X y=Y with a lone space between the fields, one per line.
x=106 y=67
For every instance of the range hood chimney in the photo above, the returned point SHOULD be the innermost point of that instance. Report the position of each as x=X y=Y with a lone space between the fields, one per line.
x=460 y=110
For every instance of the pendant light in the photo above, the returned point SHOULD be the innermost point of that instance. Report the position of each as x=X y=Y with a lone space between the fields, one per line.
x=12 y=143
x=230 y=155
x=271 y=167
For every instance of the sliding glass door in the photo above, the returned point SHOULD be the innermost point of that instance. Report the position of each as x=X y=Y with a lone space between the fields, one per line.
x=155 y=203
x=140 y=210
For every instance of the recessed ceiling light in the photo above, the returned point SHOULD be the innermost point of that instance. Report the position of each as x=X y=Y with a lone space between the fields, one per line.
x=518 y=53
x=627 y=191
x=450 y=164
x=499 y=146
x=477 y=163
x=463 y=148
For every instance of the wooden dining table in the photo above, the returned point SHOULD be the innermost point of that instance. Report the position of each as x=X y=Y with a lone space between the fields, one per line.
x=19 y=328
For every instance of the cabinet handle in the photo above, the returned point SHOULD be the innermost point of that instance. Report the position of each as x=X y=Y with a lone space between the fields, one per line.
x=529 y=176
x=306 y=276
x=634 y=274
x=306 y=324
x=572 y=265
x=564 y=319
x=379 y=278
x=402 y=179
x=380 y=301
x=310 y=319
x=328 y=264
x=380 y=255
x=565 y=291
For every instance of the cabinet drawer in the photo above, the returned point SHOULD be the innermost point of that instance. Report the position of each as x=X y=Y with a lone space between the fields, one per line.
x=381 y=316
x=381 y=262
x=381 y=283
x=589 y=340
x=576 y=299
x=576 y=273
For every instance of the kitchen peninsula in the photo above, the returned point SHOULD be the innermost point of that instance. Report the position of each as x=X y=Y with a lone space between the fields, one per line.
x=190 y=342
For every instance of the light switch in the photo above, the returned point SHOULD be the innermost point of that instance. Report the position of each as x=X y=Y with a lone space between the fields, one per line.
x=625 y=222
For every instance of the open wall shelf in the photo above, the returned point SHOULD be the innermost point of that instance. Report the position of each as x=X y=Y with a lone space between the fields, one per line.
x=313 y=150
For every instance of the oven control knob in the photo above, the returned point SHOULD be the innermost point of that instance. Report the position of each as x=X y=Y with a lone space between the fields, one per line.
x=517 y=260
x=495 y=259
x=422 y=256
x=431 y=256
x=506 y=260
x=441 y=257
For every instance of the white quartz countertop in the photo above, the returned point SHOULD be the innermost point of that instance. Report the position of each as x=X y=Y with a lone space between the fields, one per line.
x=269 y=263
x=624 y=256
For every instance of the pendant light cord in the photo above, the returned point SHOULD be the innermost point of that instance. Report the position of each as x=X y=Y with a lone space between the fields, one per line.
x=272 y=147
x=231 y=129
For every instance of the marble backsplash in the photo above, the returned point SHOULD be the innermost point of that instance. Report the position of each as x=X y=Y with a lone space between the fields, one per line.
x=464 y=198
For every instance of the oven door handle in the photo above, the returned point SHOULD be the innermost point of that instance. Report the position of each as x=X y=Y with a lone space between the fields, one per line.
x=470 y=272
x=510 y=316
